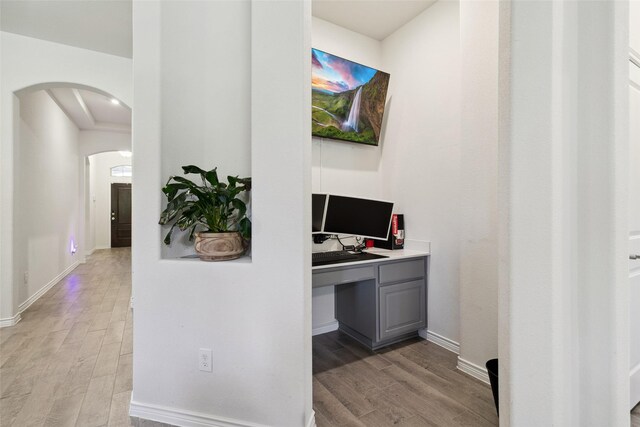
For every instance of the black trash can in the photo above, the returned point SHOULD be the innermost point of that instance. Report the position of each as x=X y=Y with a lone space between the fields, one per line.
x=492 y=369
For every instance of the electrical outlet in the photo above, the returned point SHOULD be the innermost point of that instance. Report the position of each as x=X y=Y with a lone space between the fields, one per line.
x=26 y=277
x=205 y=360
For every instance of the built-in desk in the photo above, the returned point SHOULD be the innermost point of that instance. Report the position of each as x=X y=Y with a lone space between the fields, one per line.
x=379 y=301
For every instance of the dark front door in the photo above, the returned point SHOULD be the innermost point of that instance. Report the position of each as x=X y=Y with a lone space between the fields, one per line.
x=120 y=215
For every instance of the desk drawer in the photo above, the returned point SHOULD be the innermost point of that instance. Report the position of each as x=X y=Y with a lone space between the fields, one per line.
x=403 y=270
x=345 y=275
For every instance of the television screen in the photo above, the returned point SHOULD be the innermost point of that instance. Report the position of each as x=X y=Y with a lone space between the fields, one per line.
x=318 y=203
x=358 y=217
x=347 y=98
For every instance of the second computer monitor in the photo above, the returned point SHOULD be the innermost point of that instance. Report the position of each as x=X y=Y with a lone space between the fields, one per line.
x=358 y=217
x=318 y=205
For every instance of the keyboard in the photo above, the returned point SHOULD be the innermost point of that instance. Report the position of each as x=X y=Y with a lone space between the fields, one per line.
x=332 y=257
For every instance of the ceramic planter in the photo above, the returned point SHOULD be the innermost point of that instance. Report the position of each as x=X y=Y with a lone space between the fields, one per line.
x=219 y=246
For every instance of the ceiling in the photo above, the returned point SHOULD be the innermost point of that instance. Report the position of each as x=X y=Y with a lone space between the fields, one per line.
x=106 y=25
x=374 y=18
x=92 y=110
x=100 y=25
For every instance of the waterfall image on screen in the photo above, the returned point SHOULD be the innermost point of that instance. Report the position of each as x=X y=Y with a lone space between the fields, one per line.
x=348 y=99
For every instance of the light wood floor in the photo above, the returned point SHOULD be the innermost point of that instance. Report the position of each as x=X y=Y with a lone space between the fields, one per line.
x=411 y=384
x=68 y=363
x=414 y=383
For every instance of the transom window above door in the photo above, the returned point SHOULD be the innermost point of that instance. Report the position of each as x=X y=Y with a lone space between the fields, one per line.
x=122 y=170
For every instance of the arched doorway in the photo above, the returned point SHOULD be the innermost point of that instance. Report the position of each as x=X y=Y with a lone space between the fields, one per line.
x=56 y=126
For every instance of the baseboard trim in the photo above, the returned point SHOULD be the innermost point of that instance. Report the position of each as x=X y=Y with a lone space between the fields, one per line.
x=440 y=340
x=10 y=321
x=43 y=290
x=474 y=370
x=327 y=327
x=90 y=252
x=183 y=418
x=312 y=419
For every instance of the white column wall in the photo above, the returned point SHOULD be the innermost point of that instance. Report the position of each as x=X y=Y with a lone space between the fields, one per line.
x=566 y=289
x=253 y=313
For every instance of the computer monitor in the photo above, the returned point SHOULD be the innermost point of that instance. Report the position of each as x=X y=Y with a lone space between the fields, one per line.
x=359 y=217
x=318 y=206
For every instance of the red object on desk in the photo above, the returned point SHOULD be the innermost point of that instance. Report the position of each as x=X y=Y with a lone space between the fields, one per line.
x=369 y=243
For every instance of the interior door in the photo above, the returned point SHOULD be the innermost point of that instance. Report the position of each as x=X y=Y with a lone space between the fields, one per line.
x=634 y=231
x=120 y=215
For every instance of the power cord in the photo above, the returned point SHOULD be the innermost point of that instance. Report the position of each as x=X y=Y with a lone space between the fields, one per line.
x=340 y=241
x=358 y=247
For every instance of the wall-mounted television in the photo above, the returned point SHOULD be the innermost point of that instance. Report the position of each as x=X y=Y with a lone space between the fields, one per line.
x=347 y=99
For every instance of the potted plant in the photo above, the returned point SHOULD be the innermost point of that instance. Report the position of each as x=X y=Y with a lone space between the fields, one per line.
x=212 y=211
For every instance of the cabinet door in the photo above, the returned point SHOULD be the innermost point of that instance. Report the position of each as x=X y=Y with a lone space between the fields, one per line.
x=402 y=308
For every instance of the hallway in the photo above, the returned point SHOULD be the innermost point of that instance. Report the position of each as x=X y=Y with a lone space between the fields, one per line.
x=68 y=361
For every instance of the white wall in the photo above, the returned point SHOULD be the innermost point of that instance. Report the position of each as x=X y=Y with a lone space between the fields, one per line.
x=421 y=153
x=478 y=220
x=46 y=208
x=26 y=62
x=100 y=195
x=634 y=30
x=89 y=208
x=93 y=142
x=253 y=313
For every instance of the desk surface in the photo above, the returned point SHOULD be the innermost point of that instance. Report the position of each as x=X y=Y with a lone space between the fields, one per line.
x=391 y=255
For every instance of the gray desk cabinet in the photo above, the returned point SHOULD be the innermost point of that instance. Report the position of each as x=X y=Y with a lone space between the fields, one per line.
x=381 y=302
x=402 y=308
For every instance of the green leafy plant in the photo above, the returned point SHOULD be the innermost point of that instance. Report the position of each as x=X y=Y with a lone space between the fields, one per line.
x=212 y=206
